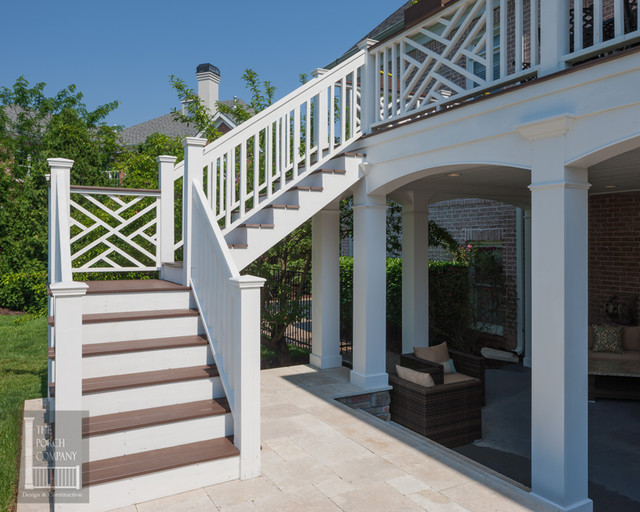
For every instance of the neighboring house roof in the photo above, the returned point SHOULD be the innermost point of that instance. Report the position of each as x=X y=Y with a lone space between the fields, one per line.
x=390 y=26
x=167 y=125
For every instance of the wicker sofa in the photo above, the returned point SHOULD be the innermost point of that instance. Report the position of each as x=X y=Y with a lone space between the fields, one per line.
x=613 y=375
x=450 y=412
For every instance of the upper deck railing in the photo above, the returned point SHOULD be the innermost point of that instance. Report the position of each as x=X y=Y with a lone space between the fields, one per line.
x=470 y=48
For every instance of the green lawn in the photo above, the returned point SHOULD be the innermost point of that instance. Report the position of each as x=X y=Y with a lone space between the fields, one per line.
x=23 y=375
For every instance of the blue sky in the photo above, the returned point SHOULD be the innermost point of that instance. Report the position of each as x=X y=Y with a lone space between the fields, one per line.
x=126 y=50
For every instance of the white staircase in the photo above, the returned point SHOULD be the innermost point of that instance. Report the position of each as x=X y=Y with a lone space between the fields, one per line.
x=169 y=374
x=159 y=422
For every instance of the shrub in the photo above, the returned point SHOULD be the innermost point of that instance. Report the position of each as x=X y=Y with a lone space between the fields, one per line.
x=24 y=291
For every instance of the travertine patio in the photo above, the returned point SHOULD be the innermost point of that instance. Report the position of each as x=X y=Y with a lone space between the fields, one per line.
x=321 y=455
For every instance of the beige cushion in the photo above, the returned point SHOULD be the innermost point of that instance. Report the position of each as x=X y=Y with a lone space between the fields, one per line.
x=631 y=338
x=435 y=354
x=456 y=377
x=607 y=338
x=419 y=378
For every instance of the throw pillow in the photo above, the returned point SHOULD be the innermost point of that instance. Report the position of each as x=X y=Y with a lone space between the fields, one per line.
x=607 y=338
x=435 y=354
x=448 y=367
x=419 y=378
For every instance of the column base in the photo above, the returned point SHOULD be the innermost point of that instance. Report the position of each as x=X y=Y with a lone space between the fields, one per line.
x=324 y=362
x=379 y=380
x=527 y=362
x=581 y=506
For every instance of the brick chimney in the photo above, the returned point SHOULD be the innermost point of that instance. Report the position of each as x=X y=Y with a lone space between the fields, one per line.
x=208 y=85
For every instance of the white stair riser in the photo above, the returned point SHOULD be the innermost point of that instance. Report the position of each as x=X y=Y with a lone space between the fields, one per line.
x=145 y=361
x=119 y=302
x=152 y=396
x=140 y=329
x=158 y=436
x=122 y=493
x=311 y=202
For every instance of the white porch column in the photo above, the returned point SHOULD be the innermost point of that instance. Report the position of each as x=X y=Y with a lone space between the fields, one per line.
x=325 y=314
x=369 y=289
x=415 y=277
x=554 y=35
x=559 y=442
x=370 y=88
x=527 y=288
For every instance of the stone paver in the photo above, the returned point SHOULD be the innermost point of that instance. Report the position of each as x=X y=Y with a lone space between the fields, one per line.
x=319 y=455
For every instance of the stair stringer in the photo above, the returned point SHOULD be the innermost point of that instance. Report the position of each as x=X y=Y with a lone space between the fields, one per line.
x=280 y=221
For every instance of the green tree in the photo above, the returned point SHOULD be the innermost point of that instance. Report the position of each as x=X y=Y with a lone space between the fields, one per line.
x=34 y=127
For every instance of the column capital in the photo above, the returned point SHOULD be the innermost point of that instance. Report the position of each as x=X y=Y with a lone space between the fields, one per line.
x=548 y=128
x=560 y=185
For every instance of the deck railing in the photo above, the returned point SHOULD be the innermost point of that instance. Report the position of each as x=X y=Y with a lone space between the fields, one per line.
x=605 y=24
x=264 y=157
x=469 y=47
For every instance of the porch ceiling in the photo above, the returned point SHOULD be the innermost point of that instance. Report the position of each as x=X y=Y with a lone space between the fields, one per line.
x=621 y=171
x=510 y=185
x=505 y=184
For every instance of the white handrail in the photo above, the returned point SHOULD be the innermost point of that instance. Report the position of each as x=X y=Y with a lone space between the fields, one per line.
x=269 y=154
x=229 y=305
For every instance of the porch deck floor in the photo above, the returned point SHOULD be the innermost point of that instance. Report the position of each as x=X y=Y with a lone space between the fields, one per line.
x=319 y=455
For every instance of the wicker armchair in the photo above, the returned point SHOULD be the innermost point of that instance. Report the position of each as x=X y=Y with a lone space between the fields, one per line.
x=467 y=364
x=450 y=414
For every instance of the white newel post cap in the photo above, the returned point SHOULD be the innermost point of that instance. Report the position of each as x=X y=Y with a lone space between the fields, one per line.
x=248 y=282
x=60 y=163
x=72 y=289
x=166 y=159
x=319 y=72
x=366 y=43
x=194 y=142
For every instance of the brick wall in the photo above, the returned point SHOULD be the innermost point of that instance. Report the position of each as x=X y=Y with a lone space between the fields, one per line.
x=376 y=403
x=470 y=220
x=614 y=250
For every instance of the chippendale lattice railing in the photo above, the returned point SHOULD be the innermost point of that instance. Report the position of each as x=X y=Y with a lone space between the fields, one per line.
x=460 y=51
x=114 y=229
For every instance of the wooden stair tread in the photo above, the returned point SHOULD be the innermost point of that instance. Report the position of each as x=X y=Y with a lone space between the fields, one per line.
x=329 y=171
x=284 y=206
x=136 y=464
x=117 y=422
x=123 y=347
x=257 y=226
x=133 y=286
x=308 y=189
x=238 y=246
x=135 y=380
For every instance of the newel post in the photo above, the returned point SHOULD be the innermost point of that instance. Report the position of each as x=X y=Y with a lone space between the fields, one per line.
x=370 y=86
x=246 y=373
x=59 y=178
x=166 y=221
x=193 y=165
